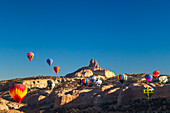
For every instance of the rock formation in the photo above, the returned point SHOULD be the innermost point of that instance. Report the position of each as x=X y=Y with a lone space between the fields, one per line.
x=92 y=69
x=70 y=97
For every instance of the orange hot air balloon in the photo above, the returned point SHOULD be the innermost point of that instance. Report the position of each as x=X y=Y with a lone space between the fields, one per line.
x=18 y=92
x=30 y=55
x=56 y=69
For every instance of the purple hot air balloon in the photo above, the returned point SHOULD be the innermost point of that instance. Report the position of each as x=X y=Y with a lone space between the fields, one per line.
x=148 y=78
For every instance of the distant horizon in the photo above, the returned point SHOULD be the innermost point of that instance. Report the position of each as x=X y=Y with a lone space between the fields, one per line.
x=123 y=36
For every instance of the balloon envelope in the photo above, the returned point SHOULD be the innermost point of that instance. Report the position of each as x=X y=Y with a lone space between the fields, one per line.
x=148 y=78
x=148 y=91
x=98 y=82
x=18 y=92
x=79 y=81
x=56 y=69
x=93 y=78
x=49 y=61
x=50 y=84
x=163 y=79
x=85 y=81
x=122 y=78
x=156 y=74
x=30 y=55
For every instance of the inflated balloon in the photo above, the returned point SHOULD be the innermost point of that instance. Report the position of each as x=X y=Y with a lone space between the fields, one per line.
x=163 y=79
x=122 y=78
x=93 y=78
x=156 y=74
x=98 y=82
x=30 y=55
x=56 y=69
x=18 y=92
x=148 y=91
x=79 y=81
x=85 y=81
x=49 y=61
x=148 y=78
x=50 y=84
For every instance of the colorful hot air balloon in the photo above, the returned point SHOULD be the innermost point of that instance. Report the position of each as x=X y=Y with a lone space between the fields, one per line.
x=18 y=92
x=49 y=61
x=30 y=55
x=85 y=81
x=148 y=91
x=163 y=79
x=148 y=78
x=56 y=69
x=98 y=82
x=79 y=81
x=122 y=78
x=156 y=74
x=93 y=78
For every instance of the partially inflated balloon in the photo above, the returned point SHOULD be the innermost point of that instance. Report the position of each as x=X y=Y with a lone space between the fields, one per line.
x=30 y=55
x=79 y=81
x=163 y=79
x=49 y=61
x=148 y=78
x=85 y=81
x=98 y=82
x=122 y=78
x=93 y=78
x=156 y=74
x=18 y=92
x=148 y=91
x=56 y=69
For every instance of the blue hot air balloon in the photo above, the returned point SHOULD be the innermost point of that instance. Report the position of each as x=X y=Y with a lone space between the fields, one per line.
x=49 y=61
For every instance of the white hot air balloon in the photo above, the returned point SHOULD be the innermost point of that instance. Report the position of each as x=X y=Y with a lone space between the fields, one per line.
x=163 y=79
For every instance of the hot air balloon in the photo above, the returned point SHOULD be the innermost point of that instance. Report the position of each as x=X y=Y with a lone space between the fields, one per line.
x=122 y=78
x=50 y=84
x=79 y=81
x=156 y=74
x=18 y=92
x=163 y=79
x=148 y=78
x=93 y=78
x=30 y=55
x=85 y=81
x=49 y=61
x=148 y=91
x=98 y=82
x=56 y=69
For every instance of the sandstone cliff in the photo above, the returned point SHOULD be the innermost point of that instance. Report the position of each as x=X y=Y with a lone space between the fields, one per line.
x=92 y=69
x=70 y=97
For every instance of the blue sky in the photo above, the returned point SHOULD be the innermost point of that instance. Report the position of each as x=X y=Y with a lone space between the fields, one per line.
x=123 y=36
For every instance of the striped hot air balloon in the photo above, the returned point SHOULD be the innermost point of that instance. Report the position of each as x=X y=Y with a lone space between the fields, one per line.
x=56 y=69
x=18 y=92
x=148 y=91
x=85 y=81
x=122 y=78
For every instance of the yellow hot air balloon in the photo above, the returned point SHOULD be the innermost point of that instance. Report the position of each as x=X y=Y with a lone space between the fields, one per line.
x=18 y=92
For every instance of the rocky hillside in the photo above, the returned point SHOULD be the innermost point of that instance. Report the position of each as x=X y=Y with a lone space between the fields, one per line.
x=70 y=97
x=92 y=69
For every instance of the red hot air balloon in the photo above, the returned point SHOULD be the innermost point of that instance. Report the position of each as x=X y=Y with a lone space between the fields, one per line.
x=56 y=69
x=156 y=74
x=30 y=55
x=18 y=92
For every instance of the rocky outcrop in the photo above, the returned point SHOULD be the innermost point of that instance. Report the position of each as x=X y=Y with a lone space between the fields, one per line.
x=92 y=69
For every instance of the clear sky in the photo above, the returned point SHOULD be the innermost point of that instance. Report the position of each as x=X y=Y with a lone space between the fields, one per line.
x=125 y=36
